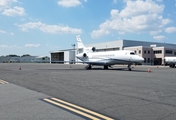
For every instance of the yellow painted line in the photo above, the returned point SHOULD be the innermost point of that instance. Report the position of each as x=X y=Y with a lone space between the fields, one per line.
x=83 y=109
x=71 y=109
x=3 y=82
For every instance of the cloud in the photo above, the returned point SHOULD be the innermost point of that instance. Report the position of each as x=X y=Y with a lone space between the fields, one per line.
x=4 y=32
x=52 y=29
x=12 y=33
x=69 y=3
x=16 y=46
x=3 y=46
x=136 y=17
x=170 y=29
x=16 y=11
x=32 y=45
x=160 y=37
x=159 y=0
x=9 y=46
x=115 y=1
x=6 y=3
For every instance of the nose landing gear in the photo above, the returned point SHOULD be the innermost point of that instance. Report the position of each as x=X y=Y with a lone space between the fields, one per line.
x=129 y=67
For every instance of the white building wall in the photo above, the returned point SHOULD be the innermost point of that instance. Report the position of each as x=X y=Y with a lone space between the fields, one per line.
x=107 y=46
x=66 y=56
x=72 y=56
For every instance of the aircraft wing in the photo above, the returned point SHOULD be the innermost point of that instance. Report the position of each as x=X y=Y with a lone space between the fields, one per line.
x=86 y=62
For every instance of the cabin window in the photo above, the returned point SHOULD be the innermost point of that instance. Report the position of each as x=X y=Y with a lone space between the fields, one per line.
x=132 y=53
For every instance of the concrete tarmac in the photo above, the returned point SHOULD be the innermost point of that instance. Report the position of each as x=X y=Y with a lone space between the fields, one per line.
x=18 y=103
x=116 y=93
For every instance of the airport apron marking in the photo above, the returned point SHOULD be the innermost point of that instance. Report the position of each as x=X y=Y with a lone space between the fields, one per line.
x=77 y=109
x=3 y=82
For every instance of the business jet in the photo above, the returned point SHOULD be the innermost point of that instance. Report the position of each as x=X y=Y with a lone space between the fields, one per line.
x=106 y=59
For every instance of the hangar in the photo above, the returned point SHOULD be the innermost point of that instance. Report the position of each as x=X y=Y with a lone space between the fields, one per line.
x=63 y=55
x=152 y=52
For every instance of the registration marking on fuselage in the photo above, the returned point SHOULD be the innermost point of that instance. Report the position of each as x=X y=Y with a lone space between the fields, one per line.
x=77 y=109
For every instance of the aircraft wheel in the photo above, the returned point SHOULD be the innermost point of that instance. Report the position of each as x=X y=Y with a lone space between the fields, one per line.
x=172 y=65
x=88 y=67
x=105 y=67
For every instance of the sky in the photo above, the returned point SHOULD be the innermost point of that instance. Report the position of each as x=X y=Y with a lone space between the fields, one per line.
x=38 y=27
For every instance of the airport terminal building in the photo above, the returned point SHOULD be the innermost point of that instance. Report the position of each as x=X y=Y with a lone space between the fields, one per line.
x=152 y=52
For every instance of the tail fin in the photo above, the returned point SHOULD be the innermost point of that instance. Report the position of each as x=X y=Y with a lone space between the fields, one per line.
x=81 y=48
x=79 y=42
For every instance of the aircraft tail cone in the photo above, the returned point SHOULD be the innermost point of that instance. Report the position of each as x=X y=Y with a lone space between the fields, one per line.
x=149 y=70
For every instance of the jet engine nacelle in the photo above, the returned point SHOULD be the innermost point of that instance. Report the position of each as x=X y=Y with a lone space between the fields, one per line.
x=93 y=49
x=84 y=55
x=90 y=49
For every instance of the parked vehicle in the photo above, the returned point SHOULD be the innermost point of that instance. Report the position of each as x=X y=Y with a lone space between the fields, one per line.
x=171 y=61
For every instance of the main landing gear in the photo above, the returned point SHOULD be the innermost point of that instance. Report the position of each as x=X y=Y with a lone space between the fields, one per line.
x=105 y=67
x=88 y=67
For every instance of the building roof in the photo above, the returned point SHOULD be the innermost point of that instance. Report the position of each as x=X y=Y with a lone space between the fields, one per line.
x=58 y=51
x=123 y=43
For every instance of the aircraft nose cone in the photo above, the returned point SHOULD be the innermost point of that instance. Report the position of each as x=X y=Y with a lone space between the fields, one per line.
x=141 y=59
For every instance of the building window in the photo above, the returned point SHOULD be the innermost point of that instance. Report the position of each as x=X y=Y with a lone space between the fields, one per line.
x=139 y=51
x=174 y=53
x=144 y=60
x=116 y=48
x=157 y=52
x=144 y=51
x=168 y=51
x=148 y=60
x=148 y=52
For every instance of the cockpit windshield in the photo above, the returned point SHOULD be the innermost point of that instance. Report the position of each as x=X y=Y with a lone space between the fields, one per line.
x=132 y=53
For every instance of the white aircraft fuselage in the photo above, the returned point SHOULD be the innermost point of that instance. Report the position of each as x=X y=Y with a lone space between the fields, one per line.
x=110 y=57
